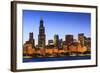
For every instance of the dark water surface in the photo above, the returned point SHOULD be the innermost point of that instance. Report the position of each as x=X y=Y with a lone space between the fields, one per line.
x=56 y=58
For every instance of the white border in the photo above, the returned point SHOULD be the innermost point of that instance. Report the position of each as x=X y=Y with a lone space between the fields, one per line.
x=21 y=65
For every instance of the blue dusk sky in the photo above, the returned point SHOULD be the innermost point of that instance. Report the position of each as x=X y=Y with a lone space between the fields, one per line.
x=61 y=23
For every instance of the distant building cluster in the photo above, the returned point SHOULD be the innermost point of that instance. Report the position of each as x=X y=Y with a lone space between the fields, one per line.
x=56 y=46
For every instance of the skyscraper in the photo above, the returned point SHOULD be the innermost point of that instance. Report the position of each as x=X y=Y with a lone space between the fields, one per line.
x=31 y=40
x=60 y=43
x=56 y=40
x=87 y=43
x=41 y=36
x=68 y=39
x=81 y=39
x=50 y=42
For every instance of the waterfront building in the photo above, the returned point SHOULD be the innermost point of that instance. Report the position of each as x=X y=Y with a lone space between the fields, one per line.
x=56 y=40
x=50 y=42
x=31 y=39
x=41 y=36
x=68 y=39
x=81 y=39
x=88 y=43
x=60 y=43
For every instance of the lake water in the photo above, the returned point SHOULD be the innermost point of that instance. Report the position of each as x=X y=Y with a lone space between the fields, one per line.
x=56 y=58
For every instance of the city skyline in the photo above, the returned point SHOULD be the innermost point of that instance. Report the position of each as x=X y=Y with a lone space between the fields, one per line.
x=60 y=23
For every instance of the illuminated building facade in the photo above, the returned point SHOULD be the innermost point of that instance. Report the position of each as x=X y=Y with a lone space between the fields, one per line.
x=68 y=39
x=56 y=40
x=50 y=42
x=81 y=39
x=41 y=36
x=31 y=40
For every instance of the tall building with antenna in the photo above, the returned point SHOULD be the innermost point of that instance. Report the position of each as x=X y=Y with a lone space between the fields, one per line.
x=41 y=36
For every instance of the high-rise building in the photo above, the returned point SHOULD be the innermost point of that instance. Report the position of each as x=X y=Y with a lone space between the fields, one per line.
x=31 y=39
x=60 y=43
x=56 y=40
x=81 y=39
x=41 y=36
x=68 y=39
x=50 y=42
x=87 y=42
